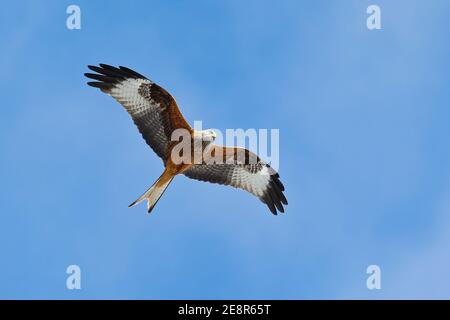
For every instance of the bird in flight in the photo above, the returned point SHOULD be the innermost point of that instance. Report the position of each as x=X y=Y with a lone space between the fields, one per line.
x=156 y=114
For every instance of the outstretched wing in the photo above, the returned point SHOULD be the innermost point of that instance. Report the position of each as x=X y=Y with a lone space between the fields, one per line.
x=153 y=109
x=242 y=169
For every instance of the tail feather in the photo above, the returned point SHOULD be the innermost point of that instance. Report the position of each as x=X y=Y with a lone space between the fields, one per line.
x=154 y=193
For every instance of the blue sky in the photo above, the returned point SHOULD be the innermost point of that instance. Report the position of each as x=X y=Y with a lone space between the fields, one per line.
x=364 y=126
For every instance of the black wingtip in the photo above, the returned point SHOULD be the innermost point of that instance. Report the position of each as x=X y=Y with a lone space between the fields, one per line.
x=276 y=198
x=107 y=66
x=132 y=72
x=100 y=85
x=278 y=191
x=268 y=201
x=94 y=84
x=114 y=73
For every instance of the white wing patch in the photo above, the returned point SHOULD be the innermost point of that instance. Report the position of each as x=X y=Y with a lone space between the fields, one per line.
x=133 y=91
x=263 y=183
x=127 y=94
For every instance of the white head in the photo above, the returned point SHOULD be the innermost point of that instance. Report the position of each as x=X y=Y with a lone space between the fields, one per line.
x=208 y=135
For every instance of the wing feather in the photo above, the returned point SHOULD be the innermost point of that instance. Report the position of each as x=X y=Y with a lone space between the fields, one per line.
x=248 y=173
x=153 y=110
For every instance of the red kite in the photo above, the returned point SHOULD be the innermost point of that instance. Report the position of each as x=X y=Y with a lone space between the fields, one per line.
x=156 y=114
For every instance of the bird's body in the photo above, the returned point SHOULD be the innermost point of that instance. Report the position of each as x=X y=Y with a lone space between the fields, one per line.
x=158 y=118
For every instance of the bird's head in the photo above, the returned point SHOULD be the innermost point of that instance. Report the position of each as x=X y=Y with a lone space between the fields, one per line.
x=208 y=135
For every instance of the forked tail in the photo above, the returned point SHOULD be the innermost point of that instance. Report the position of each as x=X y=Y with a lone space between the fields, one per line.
x=155 y=192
